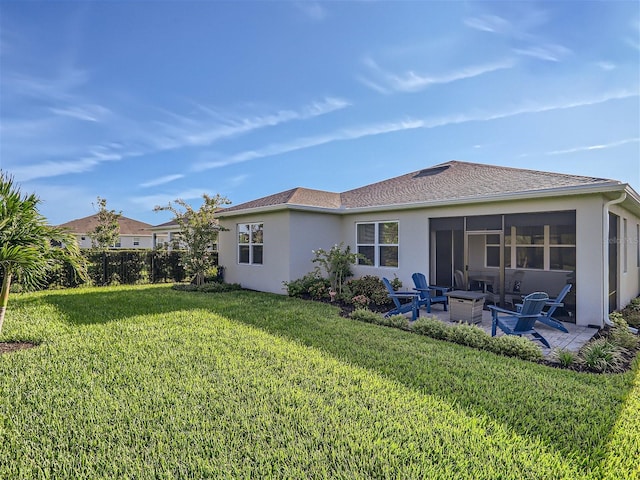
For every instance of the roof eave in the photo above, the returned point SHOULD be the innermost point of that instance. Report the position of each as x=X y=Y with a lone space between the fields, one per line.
x=613 y=186
x=280 y=207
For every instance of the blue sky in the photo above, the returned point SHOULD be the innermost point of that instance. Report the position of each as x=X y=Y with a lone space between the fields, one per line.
x=142 y=102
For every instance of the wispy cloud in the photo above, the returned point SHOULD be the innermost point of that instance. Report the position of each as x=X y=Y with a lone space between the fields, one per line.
x=162 y=180
x=89 y=113
x=548 y=52
x=386 y=82
x=150 y=201
x=411 y=124
x=312 y=9
x=180 y=132
x=489 y=23
x=606 y=66
x=308 y=142
x=588 y=148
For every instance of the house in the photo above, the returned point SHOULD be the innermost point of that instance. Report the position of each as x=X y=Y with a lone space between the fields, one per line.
x=164 y=234
x=133 y=234
x=503 y=229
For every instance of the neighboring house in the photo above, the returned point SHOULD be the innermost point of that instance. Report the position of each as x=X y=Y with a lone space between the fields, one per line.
x=507 y=229
x=164 y=234
x=133 y=234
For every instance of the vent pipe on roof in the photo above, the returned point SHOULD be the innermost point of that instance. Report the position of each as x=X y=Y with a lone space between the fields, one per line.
x=605 y=256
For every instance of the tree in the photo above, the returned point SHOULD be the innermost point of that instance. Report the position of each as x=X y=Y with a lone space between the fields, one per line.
x=107 y=232
x=29 y=247
x=198 y=232
x=337 y=263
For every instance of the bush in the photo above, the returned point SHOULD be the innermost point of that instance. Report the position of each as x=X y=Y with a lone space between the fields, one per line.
x=431 y=327
x=622 y=337
x=364 y=315
x=602 y=356
x=371 y=287
x=311 y=284
x=215 y=287
x=469 y=335
x=515 y=346
x=564 y=357
x=632 y=313
x=397 y=321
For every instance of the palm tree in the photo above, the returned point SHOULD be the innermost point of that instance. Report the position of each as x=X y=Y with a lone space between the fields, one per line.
x=29 y=247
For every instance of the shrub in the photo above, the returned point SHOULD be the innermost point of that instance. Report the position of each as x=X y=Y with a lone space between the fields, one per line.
x=431 y=327
x=470 y=335
x=337 y=263
x=632 y=313
x=371 y=287
x=364 y=315
x=311 y=284
x=397 y=321
x=622 y=337
x=360 y=301
x=602 y=356
x=515 y=346
x=564 y=357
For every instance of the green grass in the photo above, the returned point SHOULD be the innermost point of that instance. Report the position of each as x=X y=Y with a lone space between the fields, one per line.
x=147 y=382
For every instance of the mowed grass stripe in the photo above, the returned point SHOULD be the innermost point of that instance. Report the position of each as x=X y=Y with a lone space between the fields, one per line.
x=192 y=393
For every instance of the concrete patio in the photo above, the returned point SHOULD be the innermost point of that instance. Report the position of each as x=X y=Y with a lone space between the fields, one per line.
x=573 y=341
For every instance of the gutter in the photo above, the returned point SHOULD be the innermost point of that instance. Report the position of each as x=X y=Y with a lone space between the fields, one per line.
x=605 y=256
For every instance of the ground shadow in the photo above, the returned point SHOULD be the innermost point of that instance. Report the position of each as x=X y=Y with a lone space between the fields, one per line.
x=467 y=378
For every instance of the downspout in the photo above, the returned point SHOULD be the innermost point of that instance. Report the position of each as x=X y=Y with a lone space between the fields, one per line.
x=605 y=256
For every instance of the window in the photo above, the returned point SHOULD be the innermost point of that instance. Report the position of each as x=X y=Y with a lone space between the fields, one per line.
x=562 y=247
x=250 y=243
x=136 y=241
x=530 y=247
x=378 y=243
x=492 y=258
x=548 y=247
x=83 y=238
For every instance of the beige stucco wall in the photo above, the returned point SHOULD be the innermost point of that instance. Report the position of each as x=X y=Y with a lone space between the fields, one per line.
x=629 y=277
x=289 y=237
x=414 y=242
x=269 y=276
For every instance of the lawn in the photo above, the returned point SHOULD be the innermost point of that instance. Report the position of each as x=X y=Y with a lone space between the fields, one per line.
x=147 y=382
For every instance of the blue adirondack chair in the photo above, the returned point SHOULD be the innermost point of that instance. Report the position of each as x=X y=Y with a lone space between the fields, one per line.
x=553 y=303
x=522 y=321
x=429 y=294
x=411 y=306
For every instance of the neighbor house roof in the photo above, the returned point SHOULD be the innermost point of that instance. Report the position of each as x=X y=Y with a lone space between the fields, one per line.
x=450 y=181
x=128 y=226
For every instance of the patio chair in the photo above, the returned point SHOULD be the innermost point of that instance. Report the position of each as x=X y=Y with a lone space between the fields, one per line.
x=429 y=294
x=512 y=292
x=411 y=306
x=553 y=304
x=458 y=280
x=522 y=321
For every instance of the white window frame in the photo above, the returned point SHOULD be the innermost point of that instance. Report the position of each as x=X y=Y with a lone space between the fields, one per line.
x=546 y=246
x=252 y=243
x=376 y=243
x=136 y=241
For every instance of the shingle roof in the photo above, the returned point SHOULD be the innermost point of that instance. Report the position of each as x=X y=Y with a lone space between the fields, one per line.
x=128 y=226
x=295 y=196
x=452 y=181
x=456 y=180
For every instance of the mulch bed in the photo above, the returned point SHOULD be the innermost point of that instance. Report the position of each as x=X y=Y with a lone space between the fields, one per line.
x=7 y=347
